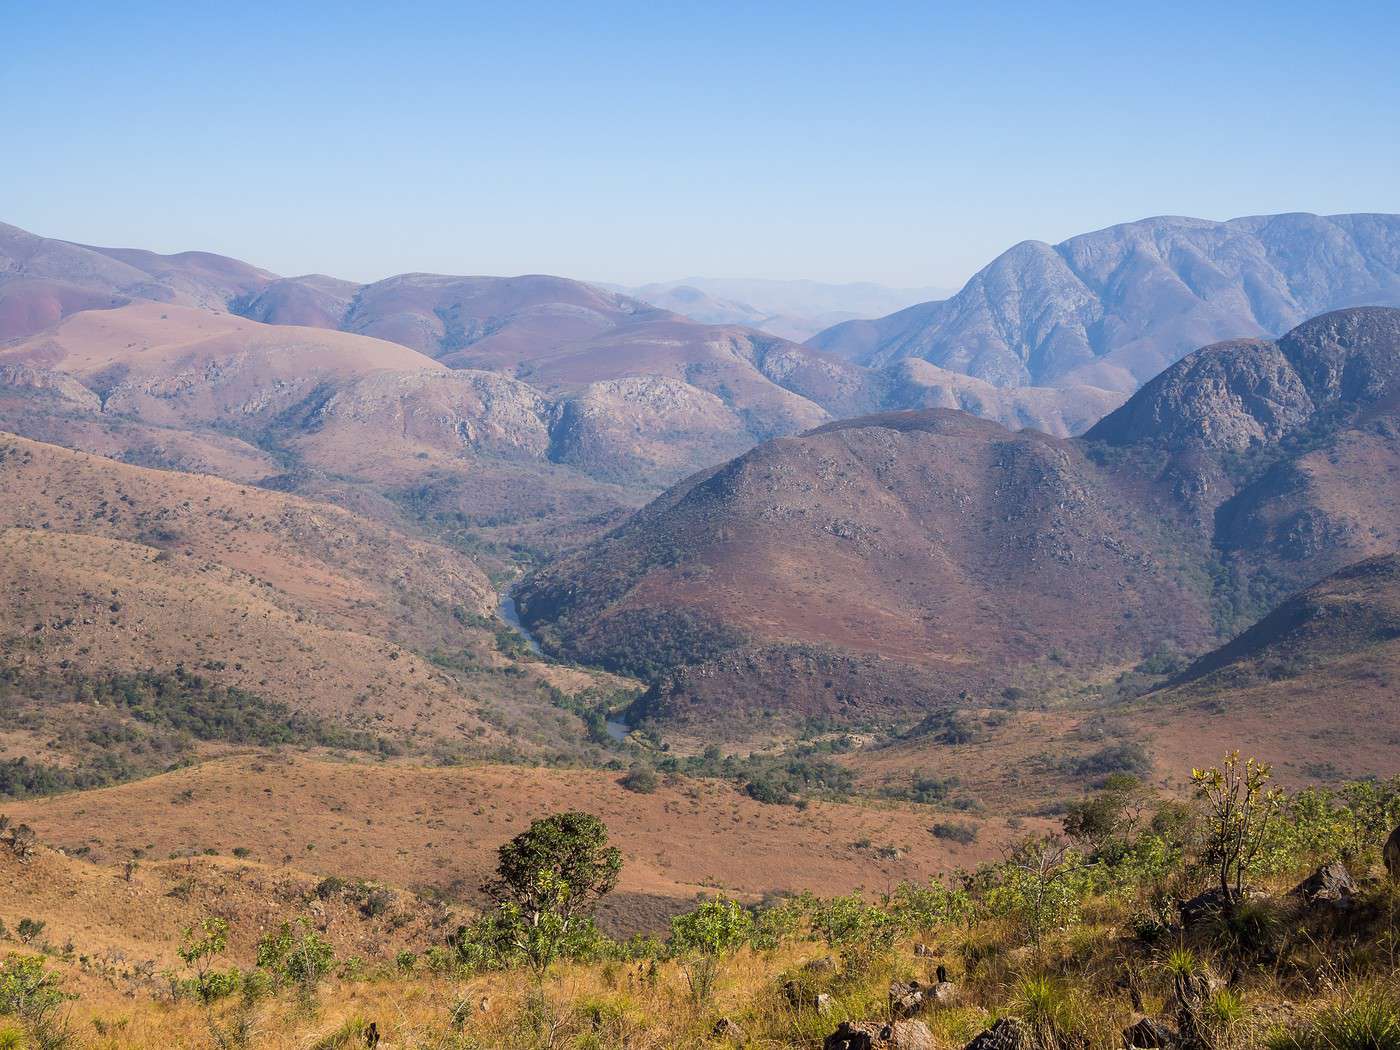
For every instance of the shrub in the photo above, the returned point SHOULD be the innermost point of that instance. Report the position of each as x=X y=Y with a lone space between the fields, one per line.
x=641 y=779
x=954 y=832
x=700 y=938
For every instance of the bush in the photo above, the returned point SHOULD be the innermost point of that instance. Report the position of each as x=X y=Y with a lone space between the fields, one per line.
x=641 y=779
x=966 y=834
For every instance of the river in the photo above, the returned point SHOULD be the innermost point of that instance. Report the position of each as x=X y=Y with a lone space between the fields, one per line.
x=506 y=610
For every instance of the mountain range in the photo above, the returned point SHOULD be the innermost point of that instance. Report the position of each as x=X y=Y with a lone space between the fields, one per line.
x=1111 y=309
x=849 y=542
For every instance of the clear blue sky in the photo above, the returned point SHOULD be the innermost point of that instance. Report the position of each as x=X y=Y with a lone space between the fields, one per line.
x=902 y=143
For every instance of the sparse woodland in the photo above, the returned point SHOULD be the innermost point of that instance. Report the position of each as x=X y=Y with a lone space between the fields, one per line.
x=1237 y=916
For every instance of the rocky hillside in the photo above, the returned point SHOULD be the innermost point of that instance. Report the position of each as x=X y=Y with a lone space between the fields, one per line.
x=1113 y=308
x=881 y=566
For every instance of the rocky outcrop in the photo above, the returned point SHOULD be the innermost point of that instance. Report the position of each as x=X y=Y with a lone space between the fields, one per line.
x=869 y=1035
x=1330 y=886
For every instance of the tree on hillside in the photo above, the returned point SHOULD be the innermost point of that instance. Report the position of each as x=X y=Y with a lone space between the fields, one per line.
x=549 y=879
x=1240 y=807
x=571 y=848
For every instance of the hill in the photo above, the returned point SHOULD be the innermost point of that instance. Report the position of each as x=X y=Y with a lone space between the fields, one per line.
x=1113 y=308
x=877 y=568
x=230 y=598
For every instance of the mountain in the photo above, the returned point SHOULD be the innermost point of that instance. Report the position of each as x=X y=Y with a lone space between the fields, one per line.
x=791 y=309
x=1113 y=308
x=44 y=280
x=881 y=566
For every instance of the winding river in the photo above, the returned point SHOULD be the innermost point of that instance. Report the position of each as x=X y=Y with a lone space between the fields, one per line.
x=507 y=611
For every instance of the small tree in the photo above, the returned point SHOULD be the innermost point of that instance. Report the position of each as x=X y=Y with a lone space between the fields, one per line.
x=200 y=945
x=1040 y=886
x=297 y=956
x=1240 y=807
x=571 y=846
x=549 y=879
x=701 y=938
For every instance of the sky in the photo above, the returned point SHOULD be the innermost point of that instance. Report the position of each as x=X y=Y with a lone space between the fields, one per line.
x=903 y=143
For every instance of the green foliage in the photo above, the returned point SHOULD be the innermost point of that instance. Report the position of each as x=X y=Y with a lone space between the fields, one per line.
x=34 y=995
x=860 y=932
x=1366 y=1019
x=200 y=945
x=700 y=938
x=641 y=779
x=572 y=847
x=296 y=956
x=954 y=831
x=1040 y=887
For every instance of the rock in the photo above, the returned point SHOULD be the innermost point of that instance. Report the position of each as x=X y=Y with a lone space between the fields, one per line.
x=372 y=1035
x=725 y=1028
x=1392 y=855
x=1006 y=1034
x=1330 y=885
x=802 y=996
x=1148 y=1034
x=1203 y=906
x=906 y=1000
x=824 y=965
x=923 y=951
x=866 y=1035
x=824 y=1003
x=944 y=993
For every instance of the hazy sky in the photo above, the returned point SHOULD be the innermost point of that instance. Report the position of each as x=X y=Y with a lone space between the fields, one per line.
x=901 y=143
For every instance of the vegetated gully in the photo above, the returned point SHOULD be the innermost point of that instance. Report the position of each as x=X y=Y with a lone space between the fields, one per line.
x=507 y=611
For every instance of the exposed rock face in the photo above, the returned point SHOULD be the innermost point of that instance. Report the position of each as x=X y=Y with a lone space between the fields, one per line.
x=1234 y=396
x=485 y=411
x=1329 y=886
x=1006 y=1034
x=866 y=1035
x=1113 y=308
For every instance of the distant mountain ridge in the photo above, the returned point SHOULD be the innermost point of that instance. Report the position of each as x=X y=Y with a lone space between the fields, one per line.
x=791 y=309
x=1111 y=309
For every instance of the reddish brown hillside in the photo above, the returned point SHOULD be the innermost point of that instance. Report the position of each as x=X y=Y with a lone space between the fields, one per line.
x=873 y=567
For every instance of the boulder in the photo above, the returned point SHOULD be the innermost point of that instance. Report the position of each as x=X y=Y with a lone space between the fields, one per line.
x=1392 y=855
x=906 y=999
x=1007 y=1034
x=802 y=996
x=1329 y=886
x=1148 y=1034
x=944 y=993
x=868 y=1035
x=1203 y=907
x=923 y=951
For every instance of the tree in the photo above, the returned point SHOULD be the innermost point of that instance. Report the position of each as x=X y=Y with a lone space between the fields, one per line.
x=549 y=879
x=1240 y=807
x=200 y=945
x=700 y=938
x=1040 y=885
x=572 y=848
